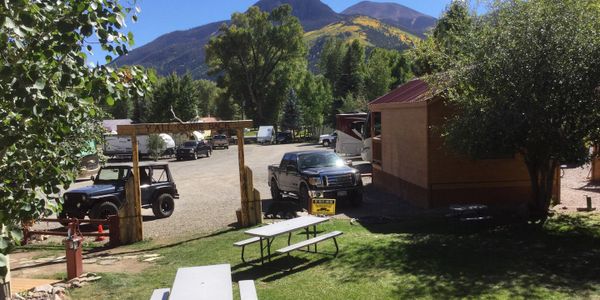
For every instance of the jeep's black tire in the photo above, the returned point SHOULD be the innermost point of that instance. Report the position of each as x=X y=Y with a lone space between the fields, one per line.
x=303 y=196
x=356 y=198
x=275 y=192
x=195 y=156
x=163 y=206
x=103 y=210
x=226 y=147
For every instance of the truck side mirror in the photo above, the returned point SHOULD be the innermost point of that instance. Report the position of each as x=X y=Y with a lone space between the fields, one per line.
x=349 y=163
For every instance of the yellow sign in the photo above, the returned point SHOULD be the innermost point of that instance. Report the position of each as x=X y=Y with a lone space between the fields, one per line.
x=322 y=206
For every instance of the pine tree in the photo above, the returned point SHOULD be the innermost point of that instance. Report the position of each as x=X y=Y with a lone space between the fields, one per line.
x=291 y=113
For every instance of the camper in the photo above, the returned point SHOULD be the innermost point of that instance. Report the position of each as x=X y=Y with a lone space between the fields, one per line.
x=119 y=146
x=349 y=133
x=266 y=134
x=370 y=127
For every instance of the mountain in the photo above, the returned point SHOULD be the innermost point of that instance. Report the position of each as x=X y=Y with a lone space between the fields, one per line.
x=313 y=14
x=371 y=32
x=183 y=51
x=393 y=14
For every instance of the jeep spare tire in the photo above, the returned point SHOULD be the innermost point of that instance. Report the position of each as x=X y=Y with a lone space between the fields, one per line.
x=163 y=206
x=103 y=210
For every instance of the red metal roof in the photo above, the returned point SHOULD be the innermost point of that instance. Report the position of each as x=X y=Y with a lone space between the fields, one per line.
x=411 y=92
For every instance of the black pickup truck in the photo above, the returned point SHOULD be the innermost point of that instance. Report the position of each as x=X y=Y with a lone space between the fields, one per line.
x=107 y=195
x=306 y=174
x=191 y=149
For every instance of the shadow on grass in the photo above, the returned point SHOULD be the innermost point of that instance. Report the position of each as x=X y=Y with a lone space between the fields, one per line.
x=277 y=268
x=563 y=258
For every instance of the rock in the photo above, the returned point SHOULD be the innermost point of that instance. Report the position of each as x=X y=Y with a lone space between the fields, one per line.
x=91 y=278
x=150 y=255
x=151 y=259
x=107 y=262
x=61 y=285
x=17 y=297
x=129 y=257
x=58 y=290
x=109 y=258
x=90 y=261
x=46 y=288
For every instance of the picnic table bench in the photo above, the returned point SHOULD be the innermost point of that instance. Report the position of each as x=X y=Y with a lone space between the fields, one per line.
x=205 y=282
x=266 y=234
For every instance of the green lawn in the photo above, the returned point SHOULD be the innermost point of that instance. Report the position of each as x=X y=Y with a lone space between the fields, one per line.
x=395 y=261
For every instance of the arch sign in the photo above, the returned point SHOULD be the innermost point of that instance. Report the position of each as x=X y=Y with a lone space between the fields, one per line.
x=155 y=128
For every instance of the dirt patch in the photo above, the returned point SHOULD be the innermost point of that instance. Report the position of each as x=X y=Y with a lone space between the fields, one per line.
x=42 y=264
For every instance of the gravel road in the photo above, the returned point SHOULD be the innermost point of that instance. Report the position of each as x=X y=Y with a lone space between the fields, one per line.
x=210 y=193
x=209 y=189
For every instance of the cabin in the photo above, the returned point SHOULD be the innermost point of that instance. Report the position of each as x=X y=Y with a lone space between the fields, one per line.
x=411 y=161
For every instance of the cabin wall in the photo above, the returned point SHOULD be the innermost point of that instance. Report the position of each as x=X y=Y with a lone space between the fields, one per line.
x=456 y=179
x=403 y=168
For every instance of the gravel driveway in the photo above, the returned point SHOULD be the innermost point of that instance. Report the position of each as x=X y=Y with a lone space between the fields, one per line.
x=209 y=190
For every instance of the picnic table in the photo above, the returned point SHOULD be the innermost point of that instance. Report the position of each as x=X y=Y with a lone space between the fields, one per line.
x=266 y=234
x=204 y=282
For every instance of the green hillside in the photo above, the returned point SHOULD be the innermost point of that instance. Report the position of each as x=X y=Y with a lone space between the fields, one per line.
x=371 y=32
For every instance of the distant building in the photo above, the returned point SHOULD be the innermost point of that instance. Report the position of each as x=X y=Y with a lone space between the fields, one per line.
x=411 y=161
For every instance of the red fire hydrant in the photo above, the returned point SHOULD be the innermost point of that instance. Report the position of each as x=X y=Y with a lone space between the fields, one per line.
x=73 y=245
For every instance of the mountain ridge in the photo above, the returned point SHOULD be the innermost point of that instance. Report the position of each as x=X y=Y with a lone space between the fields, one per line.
x=394 y=14
x=183 y=51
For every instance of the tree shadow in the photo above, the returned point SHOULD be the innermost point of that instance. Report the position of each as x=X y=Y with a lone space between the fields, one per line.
x=524 y=262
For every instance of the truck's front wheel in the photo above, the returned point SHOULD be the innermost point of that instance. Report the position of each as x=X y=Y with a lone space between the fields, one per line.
x=103 y=210
x=275 y=192
x=163 y=206
x=304 y=197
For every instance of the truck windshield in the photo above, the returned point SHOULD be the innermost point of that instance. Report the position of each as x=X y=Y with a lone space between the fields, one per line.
x=111 y=174
x=189 y=144
x=319 y=160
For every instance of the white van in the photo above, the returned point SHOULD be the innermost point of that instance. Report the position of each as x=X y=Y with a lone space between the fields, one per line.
x=266 y=134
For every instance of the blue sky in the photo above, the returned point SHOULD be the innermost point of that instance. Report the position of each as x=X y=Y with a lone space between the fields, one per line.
x=158 y=17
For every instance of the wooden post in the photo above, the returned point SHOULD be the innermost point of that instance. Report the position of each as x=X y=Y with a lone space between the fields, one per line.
x=250 y=196
x=243 y=194
x=130 y=215
x=556 y=189
x=258 y=207
x=596 y=165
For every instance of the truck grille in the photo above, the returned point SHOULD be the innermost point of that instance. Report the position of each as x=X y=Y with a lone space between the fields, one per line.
x=339 y=180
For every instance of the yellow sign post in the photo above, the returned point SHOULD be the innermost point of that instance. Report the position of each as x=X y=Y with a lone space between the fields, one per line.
x=321 y=206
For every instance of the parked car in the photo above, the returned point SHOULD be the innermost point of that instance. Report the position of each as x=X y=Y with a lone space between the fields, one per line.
x=220 y=141
x=320 y=173
x=192 y=149
x=107 y=194
x=328 y=139
x=284 y=137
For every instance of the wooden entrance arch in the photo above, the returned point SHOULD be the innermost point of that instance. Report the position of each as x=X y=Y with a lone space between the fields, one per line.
x=249 y=215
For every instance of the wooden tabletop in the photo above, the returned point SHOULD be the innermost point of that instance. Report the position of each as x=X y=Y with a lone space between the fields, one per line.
x=286 y=226
x=205 y=282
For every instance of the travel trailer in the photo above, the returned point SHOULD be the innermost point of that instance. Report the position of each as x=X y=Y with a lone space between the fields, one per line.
x=119 y=146
x=349 y=139
x=266 y=134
